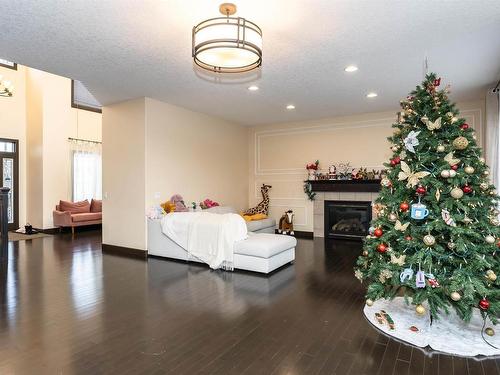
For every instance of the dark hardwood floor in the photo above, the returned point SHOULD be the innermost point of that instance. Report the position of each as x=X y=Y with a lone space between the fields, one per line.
x=68 y=309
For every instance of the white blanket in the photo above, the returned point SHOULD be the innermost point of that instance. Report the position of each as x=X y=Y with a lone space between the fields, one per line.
x=206 y=236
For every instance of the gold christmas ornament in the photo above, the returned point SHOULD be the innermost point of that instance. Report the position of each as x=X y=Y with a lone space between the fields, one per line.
x=429 y=240
x=460 y=143
x=369 y=302
x=455 y=296
x=454 y=119
x=365 y=253
x=440 y=148
x=420 y=310
x=483 y=186
x=451 y=245
x=482 y=160
x=449 y=114
x=457 y=193
x=397 y=131
x=469 y=169
x=494 y=221
x=489 y=331
x=394 y=148
x=489 y=239
x=486 y=172
x=491 y=276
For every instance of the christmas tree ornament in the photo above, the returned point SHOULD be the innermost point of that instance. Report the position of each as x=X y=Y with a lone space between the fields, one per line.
x=437 y=195
x=493 y=192
x=454 y=167
x=449 y=114
x=482 y=160
x=445 y=214
x=420 y=310
x=494 y=221
x=434 y=125
x=420 y=279
x=395 y=161
x=457 y=193
x=433 y=283
x=486 y=173
x=408 y=238
x=421 y=190
x=393 y=217
x=419 y=211
x=445 y=173
x=455 y=296
x=382 y=248
x=401 y=227
x=365 y=253
x=395 y=148
x=406 y=275
x=429 y=240
x=369 y=302
x=399 y=260
x=452 y=173
x=483 y=186
x=371 y=230
x=424 y=119
x=404 y=206
x=378 y=232
x=489 y=331
x=437 y=82
x=451 y=245
x=464 y=126
x=412 y=178
x=411 y=141
x=484 y=304
x=490 y=239
x=467 y=220
x=384 y=275
x=440 y=148
x=359 y=275
x=454 y=119
x=397 y=131
x=450 y=159
x=385 y=182
x=491 y=276
x=469 y=169
x=467 y=189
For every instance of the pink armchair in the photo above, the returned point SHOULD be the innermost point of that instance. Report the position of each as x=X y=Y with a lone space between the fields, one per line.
x=77 y=214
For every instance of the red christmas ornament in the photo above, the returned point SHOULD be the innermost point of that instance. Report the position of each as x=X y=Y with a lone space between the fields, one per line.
x=498 y=244
x=395 y=161
x=382 y=248
x=454 y=167
x=467 y=189
x=408 y=238
x=464 y=126
x=404 y=206
x=437 y=82
x=484 y=304
x=378 y=232
x=421 y=190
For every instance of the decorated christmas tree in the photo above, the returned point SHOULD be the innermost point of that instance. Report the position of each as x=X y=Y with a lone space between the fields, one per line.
x=436 y=233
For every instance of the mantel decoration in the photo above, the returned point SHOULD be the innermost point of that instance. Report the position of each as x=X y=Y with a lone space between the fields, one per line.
x=227 y=44
x=312 y=169
x=6 y=88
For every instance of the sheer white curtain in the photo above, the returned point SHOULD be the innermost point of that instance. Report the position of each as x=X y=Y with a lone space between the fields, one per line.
x=86 y=170
x=493 y=135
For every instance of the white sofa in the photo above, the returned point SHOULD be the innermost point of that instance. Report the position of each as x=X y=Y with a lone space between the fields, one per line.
x=260 y=252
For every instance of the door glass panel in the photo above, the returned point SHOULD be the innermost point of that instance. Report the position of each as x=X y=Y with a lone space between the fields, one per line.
x=8 y=181
x=6 y=146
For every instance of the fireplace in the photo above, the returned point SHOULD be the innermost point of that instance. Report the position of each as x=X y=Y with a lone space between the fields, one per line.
x=347 y=219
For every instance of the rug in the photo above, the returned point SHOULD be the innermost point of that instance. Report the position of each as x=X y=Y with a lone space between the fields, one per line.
x=448 y=334
x=13 y=236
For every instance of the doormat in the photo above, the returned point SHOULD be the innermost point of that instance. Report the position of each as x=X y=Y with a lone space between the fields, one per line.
x=13 y=236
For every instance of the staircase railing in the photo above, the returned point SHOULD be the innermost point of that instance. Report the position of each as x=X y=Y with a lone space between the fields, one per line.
x=4 y=217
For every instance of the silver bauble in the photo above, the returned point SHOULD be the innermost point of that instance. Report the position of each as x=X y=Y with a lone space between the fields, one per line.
x=489 y=239
x=455 y=296
x=445 y=173
x=452 y=172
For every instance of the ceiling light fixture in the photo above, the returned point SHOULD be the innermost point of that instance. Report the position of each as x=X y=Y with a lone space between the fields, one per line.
x=253 y=88
x=351 y=68
x=371 y=95
x=227 y=44
x=6 y=87
x=290 y=107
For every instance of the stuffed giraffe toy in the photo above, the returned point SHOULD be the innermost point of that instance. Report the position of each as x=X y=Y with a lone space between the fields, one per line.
x=263 y=206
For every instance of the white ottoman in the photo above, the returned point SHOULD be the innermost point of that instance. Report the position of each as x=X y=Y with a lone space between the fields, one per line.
x=264 y=252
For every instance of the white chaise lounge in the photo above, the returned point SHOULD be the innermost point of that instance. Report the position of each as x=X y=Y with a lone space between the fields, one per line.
x=261 y=252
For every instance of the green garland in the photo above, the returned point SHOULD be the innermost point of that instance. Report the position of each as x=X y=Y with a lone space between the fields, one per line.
x=308 y=190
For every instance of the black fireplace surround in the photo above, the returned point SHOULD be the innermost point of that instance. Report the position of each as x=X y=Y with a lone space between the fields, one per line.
x=347 y=219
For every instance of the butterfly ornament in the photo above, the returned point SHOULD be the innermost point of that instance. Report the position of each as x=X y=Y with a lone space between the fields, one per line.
x=413 y=178
x=433 y=125
x=450 y=159
x=401 y=227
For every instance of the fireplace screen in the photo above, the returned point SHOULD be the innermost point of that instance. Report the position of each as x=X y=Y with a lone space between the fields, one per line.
x=347 y=219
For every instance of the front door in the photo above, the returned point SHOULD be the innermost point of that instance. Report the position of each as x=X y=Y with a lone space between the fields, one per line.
x=9 y=164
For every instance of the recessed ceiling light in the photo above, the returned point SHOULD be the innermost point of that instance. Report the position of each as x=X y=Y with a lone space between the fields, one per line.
x=253 y=88
x=371 y=95
x=351 y=68
x=290 y=107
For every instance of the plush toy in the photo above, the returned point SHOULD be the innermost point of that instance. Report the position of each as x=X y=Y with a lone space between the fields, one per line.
x=254 y=217
x=263 y=206
x=155 y=212
x=178 y=201
x=168 y=207
x=286 y=223
x=208 y=203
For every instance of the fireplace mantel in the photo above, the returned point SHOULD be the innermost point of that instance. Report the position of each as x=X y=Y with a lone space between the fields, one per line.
x=350 y=186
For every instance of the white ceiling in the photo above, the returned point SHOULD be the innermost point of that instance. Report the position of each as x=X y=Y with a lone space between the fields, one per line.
x=123 y=49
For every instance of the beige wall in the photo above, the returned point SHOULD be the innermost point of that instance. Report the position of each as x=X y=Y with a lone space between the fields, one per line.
x=123 y=166
x=40 y=116
x=152 y=150
x=195 y=155
x=278 y=154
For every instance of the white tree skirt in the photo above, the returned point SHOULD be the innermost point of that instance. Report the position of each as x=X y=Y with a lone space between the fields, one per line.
x=448 y=334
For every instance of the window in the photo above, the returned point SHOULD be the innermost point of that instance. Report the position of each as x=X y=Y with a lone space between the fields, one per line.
x=82 y=98
x=87 y=175
x=8 y=64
